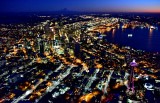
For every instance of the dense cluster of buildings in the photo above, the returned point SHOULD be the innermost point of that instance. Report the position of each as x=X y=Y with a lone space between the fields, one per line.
x=68 y=60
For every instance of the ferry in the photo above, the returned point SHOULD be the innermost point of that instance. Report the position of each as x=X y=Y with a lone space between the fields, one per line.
x=152 y=27
x=130 y=35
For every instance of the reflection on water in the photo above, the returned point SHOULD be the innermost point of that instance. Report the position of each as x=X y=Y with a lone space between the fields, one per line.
x=150 y=37
x=118 y=26
x=113 y=32
x=150 y=32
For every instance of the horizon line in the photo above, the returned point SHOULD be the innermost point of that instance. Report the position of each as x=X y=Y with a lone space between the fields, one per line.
x=80 y=11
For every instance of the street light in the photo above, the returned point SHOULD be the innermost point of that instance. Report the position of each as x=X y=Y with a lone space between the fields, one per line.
x=99 y=66
x=78 y=61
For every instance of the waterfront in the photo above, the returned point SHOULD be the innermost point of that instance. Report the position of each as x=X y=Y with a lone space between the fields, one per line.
x=143 y=39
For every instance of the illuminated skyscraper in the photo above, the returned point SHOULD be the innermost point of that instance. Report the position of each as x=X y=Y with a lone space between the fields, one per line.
x=77 y=50
x=41 y=47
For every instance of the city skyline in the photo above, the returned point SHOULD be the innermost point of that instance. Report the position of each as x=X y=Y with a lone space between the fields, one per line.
x=81 y=5
x=79 y=51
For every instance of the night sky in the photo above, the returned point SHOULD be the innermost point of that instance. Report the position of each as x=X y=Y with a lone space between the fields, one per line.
x=80 y=5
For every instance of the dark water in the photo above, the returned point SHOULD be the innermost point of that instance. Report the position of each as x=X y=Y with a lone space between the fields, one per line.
x=142 y=39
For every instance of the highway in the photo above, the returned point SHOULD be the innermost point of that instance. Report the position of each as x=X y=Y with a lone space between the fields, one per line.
x=107 y=81
x=91 y=79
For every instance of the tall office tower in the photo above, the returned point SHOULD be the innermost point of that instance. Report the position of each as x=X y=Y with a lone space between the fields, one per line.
x=77 y=51
x=82 y=34
x=41 y=46
x=57 y=31
x=52 y=34
x=131 y=90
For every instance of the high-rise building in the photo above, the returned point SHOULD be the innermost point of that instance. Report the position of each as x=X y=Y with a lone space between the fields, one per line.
x=77 y=50
x=41 y=46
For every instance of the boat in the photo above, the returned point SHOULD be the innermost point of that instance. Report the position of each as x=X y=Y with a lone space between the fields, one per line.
x=152 y=27
x=130 y=35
